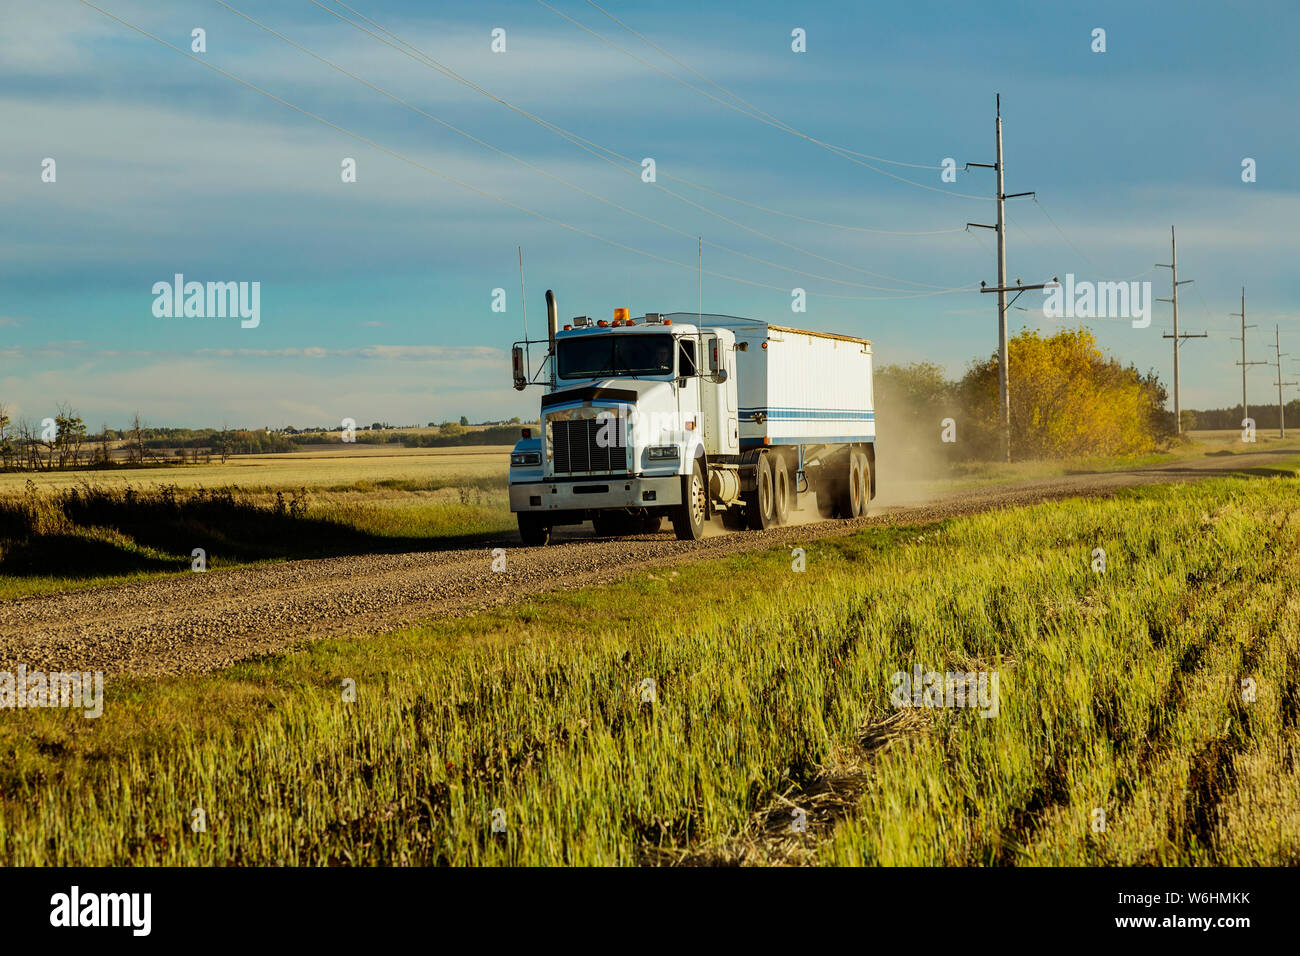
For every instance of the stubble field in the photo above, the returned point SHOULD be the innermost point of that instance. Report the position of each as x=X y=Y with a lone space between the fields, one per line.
x=738 y=710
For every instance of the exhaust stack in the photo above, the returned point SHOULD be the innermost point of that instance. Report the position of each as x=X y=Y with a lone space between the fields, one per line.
x=552 y=325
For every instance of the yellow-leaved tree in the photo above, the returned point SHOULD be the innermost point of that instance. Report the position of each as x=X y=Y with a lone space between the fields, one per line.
x=1068 y=399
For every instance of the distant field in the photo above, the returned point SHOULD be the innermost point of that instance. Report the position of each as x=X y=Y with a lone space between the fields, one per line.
x=327 y=466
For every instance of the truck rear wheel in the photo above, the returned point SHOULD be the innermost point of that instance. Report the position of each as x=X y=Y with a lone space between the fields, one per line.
x=760 y=509
x=855 y=492
x=533 y=530
x=688 y=517
x=864 y=492
x=782 y=492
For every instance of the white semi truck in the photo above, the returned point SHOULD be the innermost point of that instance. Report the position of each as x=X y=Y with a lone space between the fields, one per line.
x=685 y=416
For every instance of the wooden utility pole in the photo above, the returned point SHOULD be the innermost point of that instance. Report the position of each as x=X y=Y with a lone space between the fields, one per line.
x=1245 y=409
x=1178 y=339
x=1281 y=409
x=1004 y=386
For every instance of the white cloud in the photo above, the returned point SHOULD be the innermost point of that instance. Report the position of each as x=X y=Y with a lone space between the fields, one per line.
x=298 y=386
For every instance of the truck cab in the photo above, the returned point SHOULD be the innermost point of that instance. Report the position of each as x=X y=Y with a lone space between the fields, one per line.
x=635 y=410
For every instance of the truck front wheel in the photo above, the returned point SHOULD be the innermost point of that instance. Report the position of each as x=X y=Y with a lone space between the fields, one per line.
x=760 y=509
x=688 y=517
x=782 y=491
x=533 y=530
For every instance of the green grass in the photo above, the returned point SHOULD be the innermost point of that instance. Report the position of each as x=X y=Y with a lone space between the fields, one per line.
x=92 y=535
x=1118 y=692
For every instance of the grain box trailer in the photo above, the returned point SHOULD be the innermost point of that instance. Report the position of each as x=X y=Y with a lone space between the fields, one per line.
x=685 y=416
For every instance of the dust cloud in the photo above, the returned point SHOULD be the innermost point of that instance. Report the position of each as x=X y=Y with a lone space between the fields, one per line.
x=909 y=472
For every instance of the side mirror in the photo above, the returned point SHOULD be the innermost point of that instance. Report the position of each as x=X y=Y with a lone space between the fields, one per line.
x=518 y=367
x=717 y=360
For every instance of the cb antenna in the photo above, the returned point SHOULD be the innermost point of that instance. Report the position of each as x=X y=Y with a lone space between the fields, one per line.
x=699 y=252
x=523 y=299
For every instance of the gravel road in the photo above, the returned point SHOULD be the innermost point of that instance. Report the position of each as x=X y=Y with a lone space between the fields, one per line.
x=205 y=621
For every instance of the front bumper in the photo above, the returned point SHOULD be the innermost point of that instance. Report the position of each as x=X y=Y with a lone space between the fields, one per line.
x=596 y=493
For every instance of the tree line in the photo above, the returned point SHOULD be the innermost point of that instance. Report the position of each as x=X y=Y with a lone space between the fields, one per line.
x=64 y=442
x=1265 y=416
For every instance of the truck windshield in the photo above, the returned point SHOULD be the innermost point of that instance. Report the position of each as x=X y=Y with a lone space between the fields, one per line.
x=606 y=356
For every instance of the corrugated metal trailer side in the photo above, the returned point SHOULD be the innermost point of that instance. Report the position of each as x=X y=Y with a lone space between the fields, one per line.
x=800 y=387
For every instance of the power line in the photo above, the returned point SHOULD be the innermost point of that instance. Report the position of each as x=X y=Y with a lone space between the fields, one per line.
x=1080 y=252
x=581 y=142
x=441 y=175
x=767 y=117
x=730 y=106
x=564 y=182
x=591 y=147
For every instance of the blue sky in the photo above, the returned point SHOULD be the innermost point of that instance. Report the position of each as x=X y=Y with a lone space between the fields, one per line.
x=376 y=295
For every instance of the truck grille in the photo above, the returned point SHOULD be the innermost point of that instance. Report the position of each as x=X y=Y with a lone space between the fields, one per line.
x=576 y=450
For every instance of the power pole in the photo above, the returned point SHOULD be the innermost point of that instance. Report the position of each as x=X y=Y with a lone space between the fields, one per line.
x=1004 y=389
x=1245 y=410
x=1178 y=339
x=1281 y=409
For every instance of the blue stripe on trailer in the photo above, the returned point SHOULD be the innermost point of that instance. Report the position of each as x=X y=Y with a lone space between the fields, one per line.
x=815 y=440
x=809 y=414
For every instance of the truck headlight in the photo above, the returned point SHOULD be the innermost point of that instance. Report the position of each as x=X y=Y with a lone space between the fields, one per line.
x=662 y=452
x=525 y=458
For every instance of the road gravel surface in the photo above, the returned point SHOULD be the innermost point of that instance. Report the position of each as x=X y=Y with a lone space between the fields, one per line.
x=201 y=622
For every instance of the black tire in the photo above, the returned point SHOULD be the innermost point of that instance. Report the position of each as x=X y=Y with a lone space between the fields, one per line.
x=868 y=464
x=855 y=492
x=533 y=530
x=688 y=517
x=651 y=524
x=782 y=491
x=760 y=508
x=733 y=519
x=615 y=524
